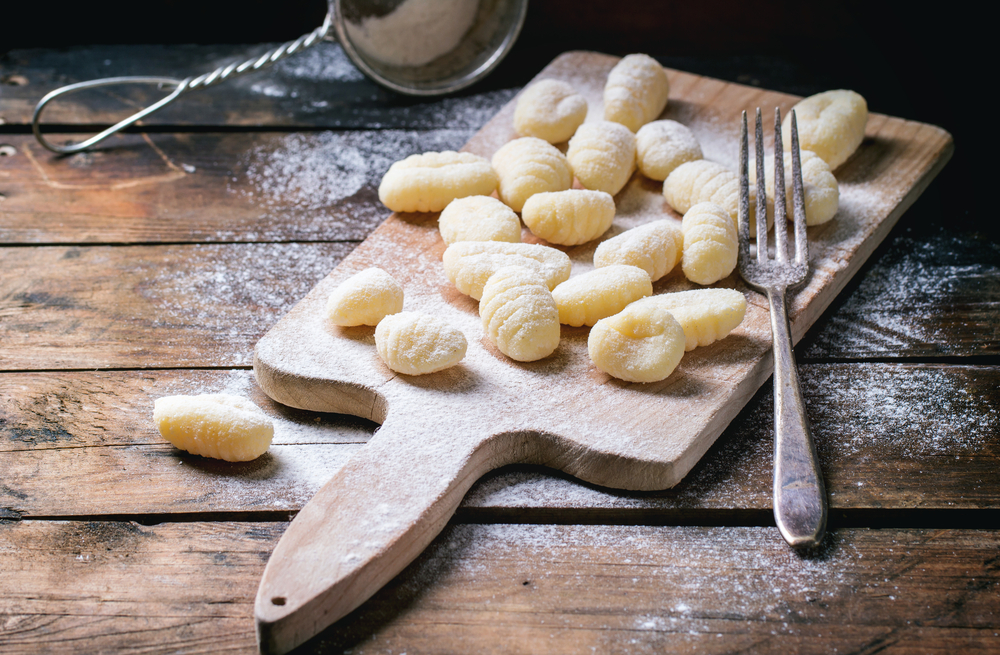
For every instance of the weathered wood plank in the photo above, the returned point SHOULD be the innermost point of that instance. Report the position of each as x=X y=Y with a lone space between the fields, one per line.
x=72 y=587
x=890 y=437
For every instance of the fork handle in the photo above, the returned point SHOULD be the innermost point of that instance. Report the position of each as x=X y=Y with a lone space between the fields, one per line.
x=799 y=494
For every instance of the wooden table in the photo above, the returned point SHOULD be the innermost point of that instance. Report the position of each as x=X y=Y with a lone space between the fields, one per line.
x=153 y=268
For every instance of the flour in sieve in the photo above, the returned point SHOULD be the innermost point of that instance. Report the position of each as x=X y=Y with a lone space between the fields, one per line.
x=415 y=33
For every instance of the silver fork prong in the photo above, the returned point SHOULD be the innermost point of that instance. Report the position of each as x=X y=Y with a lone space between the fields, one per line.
x=744 y=216
x=761 y=199
x=798 y=198
x=780 y=212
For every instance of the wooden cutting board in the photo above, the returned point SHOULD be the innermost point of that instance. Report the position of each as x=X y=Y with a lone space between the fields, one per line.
x=441 y=432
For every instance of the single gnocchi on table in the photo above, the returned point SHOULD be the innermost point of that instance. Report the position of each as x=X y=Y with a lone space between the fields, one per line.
x=479 y=218
x=642 y=343
x=602 y=292
x=711 y=245
x=820 y=192
x=550 y=110
x=655 y=247
x=831 y=124
x=705 y=315
x=414 y=343
x=428 y=182
x=636 y=91
x=220 y=426
x=469 y=264
x=662 y=146
x=602 y=156
x=527 y=166
x=365 y=299
x=519 y=314
x=707 y=181
x=570 y=217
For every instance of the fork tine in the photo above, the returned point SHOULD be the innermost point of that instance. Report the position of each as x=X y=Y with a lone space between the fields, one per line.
x=761 y=199
x=780 y=213
x=798 y=198
x=743 y=225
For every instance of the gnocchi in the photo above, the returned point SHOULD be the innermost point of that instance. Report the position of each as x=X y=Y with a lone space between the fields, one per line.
x=831 y=124
x=602 y=156
x=365 y=299
x=636 y=91
x=479 y=218
x=706 y=181
x=570 y=217
x=705 y=315
x=550 y=110
x=428 y=182
x=820 y=192
x=711 y=245
x=519 y=314
x=662 y=146
x=602 y=292
x=654 y=247
x=220 y=426
x=642 y=343
x=469 y=264
x=414 y=343
x=527 y=166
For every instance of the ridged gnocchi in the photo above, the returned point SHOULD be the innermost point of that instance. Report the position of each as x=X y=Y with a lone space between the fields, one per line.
x=569 y=217
x=602 y=292
x=831 y=124
x=479 y=218
x=428 y=182
x=706 y=181
x=711 y=245
x=414 y=343
x=641 y=343
x=662 y=146
x=550 y=110
x=527 y=166
x=705 y=315
x=636 y=91
x=218 y=425
x=655 y=247
x=821 y=194
x=469 y=264
x=602 y=156
x=519 y=314
x=365 y=299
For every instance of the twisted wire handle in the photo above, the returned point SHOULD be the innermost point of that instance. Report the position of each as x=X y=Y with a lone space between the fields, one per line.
x=216 y=76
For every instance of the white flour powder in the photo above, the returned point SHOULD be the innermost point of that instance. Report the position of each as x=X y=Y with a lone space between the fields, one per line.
x=416 y=33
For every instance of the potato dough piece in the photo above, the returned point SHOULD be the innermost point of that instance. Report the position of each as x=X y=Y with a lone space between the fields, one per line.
x=706 y=181
x=711 y=244
x=365 y=299
x=654 y=247
x=527 y=166
x=550 y=110
x=469 y=264
x=415 y=343
x=639 y=344
x=519 y=314
x=636 y=91
x=662 y=146
x=819 y=187
x=569 y=217
x=831 y=124
x=214 y=425
x=428 y=182
x=706 y=315
x=602 y=156
x=602 y=292
x=479 y=218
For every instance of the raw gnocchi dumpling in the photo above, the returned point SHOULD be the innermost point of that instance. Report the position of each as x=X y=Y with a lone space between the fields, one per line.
x=569 y=217
x=602 y=156
x=414 y=343
x=217 y=425
x=527 y=166
x=550 y=110
x=706 y=181
x=636 y=91
x=428 y=182
x=831 y=124
x=820 y=192
x=654 y=247
x=641 y=343
x=519 y=314
x=711 y=245
x=365 y=299
x=469 y=264
x=479 y=218
x=662 y=146
x=705 y=315
x=602 y=292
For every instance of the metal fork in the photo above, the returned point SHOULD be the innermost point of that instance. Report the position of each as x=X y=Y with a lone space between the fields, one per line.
x=799 y=495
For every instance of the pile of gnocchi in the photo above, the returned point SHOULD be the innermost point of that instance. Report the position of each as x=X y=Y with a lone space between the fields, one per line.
x=525 y=291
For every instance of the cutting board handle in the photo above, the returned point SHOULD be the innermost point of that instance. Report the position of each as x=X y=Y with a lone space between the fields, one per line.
x=373 y=518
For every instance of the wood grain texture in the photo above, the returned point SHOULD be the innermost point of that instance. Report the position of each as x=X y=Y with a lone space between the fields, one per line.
x=513 y=588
